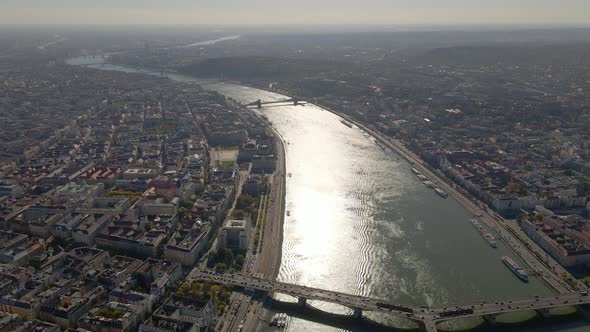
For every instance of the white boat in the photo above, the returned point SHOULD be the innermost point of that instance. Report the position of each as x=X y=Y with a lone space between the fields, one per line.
x=489 y=237
x=429 y=184
x=517 y=270
x=491 y=240
x=441 y=193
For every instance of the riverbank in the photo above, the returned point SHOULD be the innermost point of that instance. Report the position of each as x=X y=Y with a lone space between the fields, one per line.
x=255 y=314
x=269 y=260
x=281 y=189
x=272 y=250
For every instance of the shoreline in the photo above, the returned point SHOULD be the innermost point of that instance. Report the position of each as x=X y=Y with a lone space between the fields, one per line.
x=278 y=209
x=283 y=204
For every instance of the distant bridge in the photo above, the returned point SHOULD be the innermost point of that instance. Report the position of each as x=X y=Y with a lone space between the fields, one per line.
x=93 y=64
x=259 y=103
x=426 y=316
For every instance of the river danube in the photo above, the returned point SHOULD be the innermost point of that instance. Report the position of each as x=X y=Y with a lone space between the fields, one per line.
x=359 y=221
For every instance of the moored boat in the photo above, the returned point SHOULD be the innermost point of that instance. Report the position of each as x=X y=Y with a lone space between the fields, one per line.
x=441 y=193
x=491 y=240
x=517 y=270
x=489 y=237
x=429 y=184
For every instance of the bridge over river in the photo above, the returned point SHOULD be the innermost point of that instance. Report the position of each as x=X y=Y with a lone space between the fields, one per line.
x=427 y=317
x=259 y=103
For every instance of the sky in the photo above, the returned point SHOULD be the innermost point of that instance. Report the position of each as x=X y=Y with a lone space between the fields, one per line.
x=428 y=12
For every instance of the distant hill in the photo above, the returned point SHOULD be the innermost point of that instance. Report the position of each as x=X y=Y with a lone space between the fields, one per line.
x=513 y=54
x=259 y=67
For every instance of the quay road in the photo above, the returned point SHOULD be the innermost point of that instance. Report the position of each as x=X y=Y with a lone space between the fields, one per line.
x=266 y=263
x=428 y=317
x=269 y=260
x=244 y=312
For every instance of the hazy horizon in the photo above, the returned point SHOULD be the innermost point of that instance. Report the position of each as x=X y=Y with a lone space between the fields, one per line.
x=303 y=12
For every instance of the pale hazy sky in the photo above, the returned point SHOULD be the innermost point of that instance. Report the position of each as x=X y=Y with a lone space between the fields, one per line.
x=295 y=11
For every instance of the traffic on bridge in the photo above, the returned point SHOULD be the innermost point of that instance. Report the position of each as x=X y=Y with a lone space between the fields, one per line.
x=428 y=317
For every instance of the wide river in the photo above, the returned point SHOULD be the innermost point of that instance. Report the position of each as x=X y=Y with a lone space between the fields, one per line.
x=359 y=221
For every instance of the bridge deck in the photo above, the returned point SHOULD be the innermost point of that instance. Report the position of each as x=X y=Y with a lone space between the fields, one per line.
x=259 y=103
x=429 y=317
x=347 y=300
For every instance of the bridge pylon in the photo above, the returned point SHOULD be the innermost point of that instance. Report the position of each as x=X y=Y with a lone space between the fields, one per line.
x=428 y=325
x=491 y=319
x=302 y=301
x=545 y=313
x=357 y=313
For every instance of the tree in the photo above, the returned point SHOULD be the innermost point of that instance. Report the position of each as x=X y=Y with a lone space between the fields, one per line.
x=225 y=296
x=207 y=288
x=182 y=290
x=188 y=204
x=220 y=267
x=238 y=262
x=228 y=256
x=238 y=214
x=244 y=200
x=513 y=187
x=182 y=211
x=215 y=289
